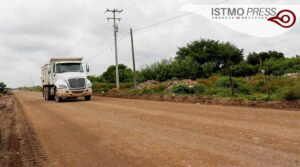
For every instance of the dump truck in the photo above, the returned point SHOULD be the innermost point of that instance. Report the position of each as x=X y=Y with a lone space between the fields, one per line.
x=65 y=78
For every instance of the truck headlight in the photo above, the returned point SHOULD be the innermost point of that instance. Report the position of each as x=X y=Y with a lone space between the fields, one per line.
x=89 y=85
x=62 y=87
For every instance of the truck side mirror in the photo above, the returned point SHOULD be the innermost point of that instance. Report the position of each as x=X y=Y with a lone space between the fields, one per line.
x=87 y=68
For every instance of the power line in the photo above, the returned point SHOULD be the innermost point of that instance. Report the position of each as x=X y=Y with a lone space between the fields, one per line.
x=101 y=24
x=170 y=9
x=164 y=21
x=145 y=27
x=107 y=48
x=170 y=19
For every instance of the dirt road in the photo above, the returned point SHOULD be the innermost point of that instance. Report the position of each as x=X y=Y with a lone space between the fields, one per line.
x=123 y=132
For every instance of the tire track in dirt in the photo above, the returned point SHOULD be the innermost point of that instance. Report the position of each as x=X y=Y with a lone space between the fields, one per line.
x=20 y=147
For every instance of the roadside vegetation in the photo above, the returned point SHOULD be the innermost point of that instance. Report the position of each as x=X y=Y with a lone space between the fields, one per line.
x=34 y=88
x=208 y=68
x=210 y=65
x=3 y=88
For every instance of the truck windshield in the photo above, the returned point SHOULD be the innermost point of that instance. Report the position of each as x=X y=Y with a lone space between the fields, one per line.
x=68 y=67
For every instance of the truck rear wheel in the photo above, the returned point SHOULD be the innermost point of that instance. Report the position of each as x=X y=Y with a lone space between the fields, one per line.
x=87 y=98
x=46 y=93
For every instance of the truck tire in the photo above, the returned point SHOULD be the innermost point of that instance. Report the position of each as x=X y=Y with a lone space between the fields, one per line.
x=87 y=98
x=58 y=99
x=47 y=96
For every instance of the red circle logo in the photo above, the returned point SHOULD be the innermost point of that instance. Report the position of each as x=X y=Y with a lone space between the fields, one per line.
x=284 y=18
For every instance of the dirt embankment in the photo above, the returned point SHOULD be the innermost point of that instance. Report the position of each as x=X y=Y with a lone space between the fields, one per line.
x=284 y=105
x=19 y=145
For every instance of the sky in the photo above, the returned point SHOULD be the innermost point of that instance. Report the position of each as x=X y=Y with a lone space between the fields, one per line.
x=33 y=31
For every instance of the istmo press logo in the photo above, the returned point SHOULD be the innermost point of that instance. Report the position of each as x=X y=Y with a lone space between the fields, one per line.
x=256 y=20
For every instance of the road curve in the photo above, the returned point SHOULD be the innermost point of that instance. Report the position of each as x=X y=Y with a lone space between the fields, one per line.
x=122 y=132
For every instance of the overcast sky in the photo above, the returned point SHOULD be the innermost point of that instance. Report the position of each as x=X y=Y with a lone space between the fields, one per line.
x=33 y=31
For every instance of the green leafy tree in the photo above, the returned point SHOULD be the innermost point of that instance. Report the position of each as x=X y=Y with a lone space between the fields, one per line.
x=244 y=69
x=125 y=74
x=282 y=66
x=184 y=69
x=2 y=87
x=95 y=78
x=216 y=54
x=253 y=58
x=160 y=71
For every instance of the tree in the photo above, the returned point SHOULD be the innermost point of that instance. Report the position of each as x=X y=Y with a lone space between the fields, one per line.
x=253 y=58
x=160 y=71
x=244 y=69
x=210 y=52
x=125 y=74
x=2 y=87
x=95 y=78
x=217 y=55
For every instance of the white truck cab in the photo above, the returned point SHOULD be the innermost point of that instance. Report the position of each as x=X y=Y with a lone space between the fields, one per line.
x=66 y=78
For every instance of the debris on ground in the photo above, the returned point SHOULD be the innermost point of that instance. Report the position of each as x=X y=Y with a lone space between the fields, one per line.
x=292 y=75
x=168 y=83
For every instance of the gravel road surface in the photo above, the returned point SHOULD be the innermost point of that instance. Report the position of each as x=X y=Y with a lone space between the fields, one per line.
x=122 y=132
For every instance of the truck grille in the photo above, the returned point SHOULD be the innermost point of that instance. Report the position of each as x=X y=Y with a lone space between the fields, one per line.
x=77 y=83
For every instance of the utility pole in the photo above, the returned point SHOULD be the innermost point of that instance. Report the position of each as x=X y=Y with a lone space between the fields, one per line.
x=264 y=76
x=114 y=11
x=133 y=59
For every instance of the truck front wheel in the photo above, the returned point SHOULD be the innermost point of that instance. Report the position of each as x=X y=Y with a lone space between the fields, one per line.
x=87 y=98
x=58 y=99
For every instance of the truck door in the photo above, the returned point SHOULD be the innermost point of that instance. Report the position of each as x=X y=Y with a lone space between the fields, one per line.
x=52 y=76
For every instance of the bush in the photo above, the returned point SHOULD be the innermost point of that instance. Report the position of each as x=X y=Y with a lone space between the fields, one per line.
x=181 y=89
x=2 y=87
x=243 y=88
x=198 y=89
x=105 y=87
x=145 y=91
x=224 y=82
x=239 y=85
x=244 y=69
x=292 y=93
x=159 y=88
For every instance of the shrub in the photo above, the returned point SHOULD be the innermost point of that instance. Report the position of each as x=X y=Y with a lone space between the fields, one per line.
x=244 y=69
x=105 y=87
x=208 y=82
x=145 y=91
x=239 y=85
x=2 y=87
x=159 y=88
x=181 y=89
x=292 y=93
x=243 y=88
x=198 y=89
x=224 y=82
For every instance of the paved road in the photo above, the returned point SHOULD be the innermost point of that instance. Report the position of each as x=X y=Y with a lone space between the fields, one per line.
x=123 y=132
